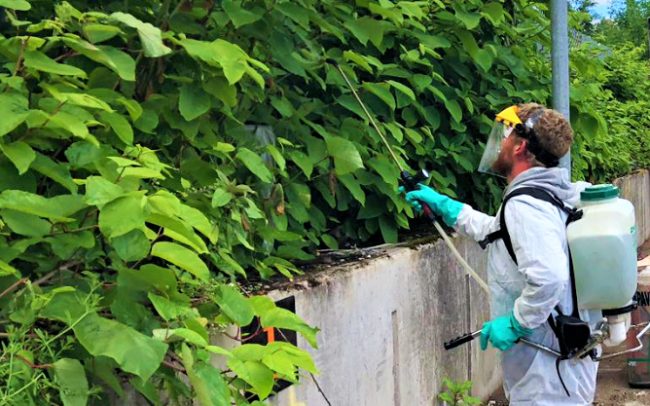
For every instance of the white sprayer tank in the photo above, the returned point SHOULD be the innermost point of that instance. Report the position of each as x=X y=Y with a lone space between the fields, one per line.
x=603 y=248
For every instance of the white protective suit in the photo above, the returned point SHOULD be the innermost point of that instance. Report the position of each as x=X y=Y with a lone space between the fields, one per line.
x=533 y=288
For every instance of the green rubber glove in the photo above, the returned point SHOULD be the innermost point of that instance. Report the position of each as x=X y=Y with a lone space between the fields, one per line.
x=503 y=332
x=441 y=205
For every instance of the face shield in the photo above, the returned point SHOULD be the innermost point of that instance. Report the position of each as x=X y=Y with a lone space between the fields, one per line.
x=504 y=125
x=492 y=150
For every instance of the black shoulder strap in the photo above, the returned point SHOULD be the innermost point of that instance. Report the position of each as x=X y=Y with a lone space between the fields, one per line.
x=537 y=193
x=503 y=234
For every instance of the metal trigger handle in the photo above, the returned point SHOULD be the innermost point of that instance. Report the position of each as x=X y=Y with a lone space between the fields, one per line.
x=461 y=340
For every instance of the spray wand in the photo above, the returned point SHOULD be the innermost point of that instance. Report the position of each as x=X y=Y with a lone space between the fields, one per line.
x=410 y=182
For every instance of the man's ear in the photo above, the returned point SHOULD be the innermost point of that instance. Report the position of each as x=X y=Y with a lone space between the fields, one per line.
x=521 y=149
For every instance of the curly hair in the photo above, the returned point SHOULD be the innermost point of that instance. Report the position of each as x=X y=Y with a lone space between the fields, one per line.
x=553 y=131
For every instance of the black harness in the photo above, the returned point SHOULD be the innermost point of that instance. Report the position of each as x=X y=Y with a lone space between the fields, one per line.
x=572 y=333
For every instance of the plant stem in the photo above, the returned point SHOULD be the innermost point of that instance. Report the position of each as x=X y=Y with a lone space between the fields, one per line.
x=12 y=287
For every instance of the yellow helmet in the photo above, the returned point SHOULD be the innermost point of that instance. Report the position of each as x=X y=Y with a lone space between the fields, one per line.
x=509 y=116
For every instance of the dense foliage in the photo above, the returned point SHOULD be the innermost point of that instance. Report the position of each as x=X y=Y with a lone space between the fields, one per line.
x=610 y=91
x=156 y=152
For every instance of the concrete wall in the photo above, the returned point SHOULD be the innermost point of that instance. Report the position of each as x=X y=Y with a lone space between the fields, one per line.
x=383 y=322
x=636 y=188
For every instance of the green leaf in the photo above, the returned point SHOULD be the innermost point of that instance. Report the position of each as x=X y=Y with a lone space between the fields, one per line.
x=349 y=102
x=119 y=124
x=187 y=335
x=149 y=277
x=357 y=59
x=206 y=381
x=100 y=191
x=122 y=215
x=20 y=5
x=132 y=246
x=71 y=379
x=353 y=186
x=230 y=57
x=113 y=58
x=239 y=15
x=97 y=33
x=41 y=62
x=383 y=92
x=303 y=162
x=221 y=197
x=403 y=89
x=103 y=369
x=386 y=169
x=148 y=389
x=345 y=154
x=20 y=154
x=367 y=28
x=55 y=171
x=471 y=20
x=26 y=224
x=150 y=36
x=277 y=157
x=494 y=12
x=234 y=305
x=199 y=221
x=283 y=106
x=454 y=109
x=133 y=351
x=249 y=352
x=193 y=102
x=255 y=164
x=83 y=100
x=7 y=270
x=299 y=357
x=57 y=208
x=280 y=363
x=282 y=318
x=210 y=386
x=256 y=374
x=13 y=110
x=68 y=122
x=132 y=107
x=66 y=245
x=388 y=229
x=182 y=258
x=484 y=59
x=168 y=309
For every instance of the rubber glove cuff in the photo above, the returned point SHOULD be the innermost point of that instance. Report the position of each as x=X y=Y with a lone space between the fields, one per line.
x=444 y=206
x=503 y=332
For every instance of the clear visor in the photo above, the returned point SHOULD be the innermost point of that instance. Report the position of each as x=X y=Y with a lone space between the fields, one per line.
x=498 y=133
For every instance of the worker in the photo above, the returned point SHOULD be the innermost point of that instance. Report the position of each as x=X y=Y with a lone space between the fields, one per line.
x=524 y=146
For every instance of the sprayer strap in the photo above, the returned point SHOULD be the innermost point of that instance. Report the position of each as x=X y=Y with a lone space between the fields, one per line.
x=503 y=234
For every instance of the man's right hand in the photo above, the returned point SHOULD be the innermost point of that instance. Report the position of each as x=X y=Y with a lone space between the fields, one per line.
x=441 y=205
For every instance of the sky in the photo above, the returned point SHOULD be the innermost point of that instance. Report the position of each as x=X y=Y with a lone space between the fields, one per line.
x=601 y=8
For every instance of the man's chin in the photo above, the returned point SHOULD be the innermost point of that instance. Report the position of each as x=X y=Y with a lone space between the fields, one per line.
x=501 y=168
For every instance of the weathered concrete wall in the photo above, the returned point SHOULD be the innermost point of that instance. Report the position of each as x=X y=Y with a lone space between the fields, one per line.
x=382 y=328
x=383 y=322
x=636 y=188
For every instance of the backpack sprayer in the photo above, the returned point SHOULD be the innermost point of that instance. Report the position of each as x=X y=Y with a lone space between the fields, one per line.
x=576 y=338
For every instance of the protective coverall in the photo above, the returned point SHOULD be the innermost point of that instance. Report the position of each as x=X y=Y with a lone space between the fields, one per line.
x=534 y=287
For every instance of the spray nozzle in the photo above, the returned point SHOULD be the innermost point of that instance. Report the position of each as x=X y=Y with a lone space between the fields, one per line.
x=410 y=181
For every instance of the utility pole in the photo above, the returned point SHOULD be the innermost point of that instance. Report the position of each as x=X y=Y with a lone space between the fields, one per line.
x=648 y=36
x=560 y=59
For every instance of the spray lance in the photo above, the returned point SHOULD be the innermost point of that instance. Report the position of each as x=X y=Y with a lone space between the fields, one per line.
x=410 y=182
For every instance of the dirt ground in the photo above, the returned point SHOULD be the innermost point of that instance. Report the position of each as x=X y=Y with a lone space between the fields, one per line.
x=612 y=385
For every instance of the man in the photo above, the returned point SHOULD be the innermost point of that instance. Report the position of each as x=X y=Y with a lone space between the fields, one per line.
x=525 y=146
